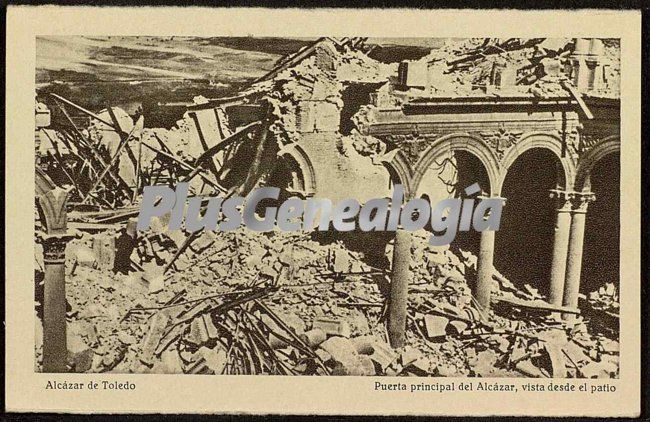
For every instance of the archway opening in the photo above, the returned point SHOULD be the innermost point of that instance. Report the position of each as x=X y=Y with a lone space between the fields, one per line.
x=470 y=170
x=439 y=178
x=448 y=177
x=524 y=242
x=601 y=251
x=289 y=177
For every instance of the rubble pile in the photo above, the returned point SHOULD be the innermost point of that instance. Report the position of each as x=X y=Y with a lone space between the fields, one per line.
x=602 y=308
x=605 y=298
x=282 y=303
x=304 y=93
x=178 y=139
x=612 y=70
x=244 y=302
x=478 y=66
x=512 y=67
x=307 y=96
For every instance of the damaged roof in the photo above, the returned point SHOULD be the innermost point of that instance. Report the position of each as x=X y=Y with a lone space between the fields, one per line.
x=474 y=67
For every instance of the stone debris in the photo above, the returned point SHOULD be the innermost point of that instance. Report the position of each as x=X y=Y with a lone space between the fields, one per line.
x=605 y=298
x=329 y=86
x=332 y=327
x=309 y=316
x=283 y=303
x=435 y=325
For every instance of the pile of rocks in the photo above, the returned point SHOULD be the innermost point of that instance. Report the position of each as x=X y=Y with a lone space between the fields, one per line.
x=244 y=302
x=605 y=298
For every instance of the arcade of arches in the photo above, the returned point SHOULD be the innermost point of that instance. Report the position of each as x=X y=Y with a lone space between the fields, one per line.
x=547 y=239
x=553 y=235
x=549 y=165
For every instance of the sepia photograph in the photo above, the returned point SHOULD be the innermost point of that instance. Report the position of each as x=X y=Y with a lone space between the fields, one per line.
x=375 y=212
x=531 y=123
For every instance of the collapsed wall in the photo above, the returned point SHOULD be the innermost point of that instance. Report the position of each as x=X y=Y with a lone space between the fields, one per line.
x=315 y=304
x=281 y=303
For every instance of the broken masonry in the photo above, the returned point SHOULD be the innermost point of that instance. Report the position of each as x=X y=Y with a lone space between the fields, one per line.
x=244 y=302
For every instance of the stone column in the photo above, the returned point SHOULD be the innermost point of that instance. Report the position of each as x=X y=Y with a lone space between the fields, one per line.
x=54 y=218
x=574 y=259
x=485 y=269
x=560 y=245
x=485 y=264
x=55 y=350
x=397 y=307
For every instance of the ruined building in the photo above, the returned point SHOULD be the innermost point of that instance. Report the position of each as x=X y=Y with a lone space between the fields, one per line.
x=534 y=121
x=490 y=111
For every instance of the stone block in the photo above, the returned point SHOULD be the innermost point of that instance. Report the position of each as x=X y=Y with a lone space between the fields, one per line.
x=365 y=367
x=104 y=248
x=305 y=117
x=346 y=360
x=341 y=261
x=126 y=338
x=339 y=348
x=85 y=257
x=317 y=116
x=154 y=278
x=332 y=327
x=504 y=75
x=410 y=355
x=327 y=116
x=383 y=355
x=157 y=327
x=202 y=330
x=456 y=327
x=211 y=329
x=43 y=115
x=325 y=54
x=435 y=325
x=314 y=337
x=365 y=345
x=413 y=74
x=323 y=355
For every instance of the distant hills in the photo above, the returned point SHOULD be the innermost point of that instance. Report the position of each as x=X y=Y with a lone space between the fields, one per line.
x=142 y=71
x=222 y=60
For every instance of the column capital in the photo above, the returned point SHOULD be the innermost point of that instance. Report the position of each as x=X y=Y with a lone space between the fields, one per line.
x=54 y=246
x=563 y=199
x=581 y=201
x=576 y=202
x=53 y=206
x=483 y=196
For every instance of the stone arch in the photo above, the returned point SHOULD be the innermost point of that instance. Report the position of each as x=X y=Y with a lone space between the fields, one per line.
x=400 y=170
x=544 y=141
x=588 y=161
x=459 y=142
x=298 y=154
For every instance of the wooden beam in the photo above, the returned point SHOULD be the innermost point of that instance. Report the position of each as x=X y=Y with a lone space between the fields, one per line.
x=116 y=156
x=538 y=305
x=86 y=143
x=185 y=165
x=576 y=96
x=83 y=110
